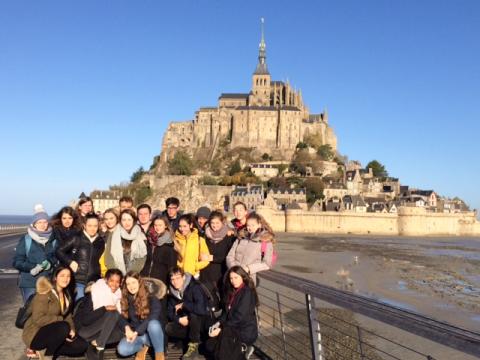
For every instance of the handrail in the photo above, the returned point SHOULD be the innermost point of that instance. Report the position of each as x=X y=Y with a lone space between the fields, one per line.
x=441 y=332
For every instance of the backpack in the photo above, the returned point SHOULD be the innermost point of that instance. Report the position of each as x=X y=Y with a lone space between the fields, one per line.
x=213 y=299
x=24 y=312
x=28 y=244
x=274 y=254
x=228 y=345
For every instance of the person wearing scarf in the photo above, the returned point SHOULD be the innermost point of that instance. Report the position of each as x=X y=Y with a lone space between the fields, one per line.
x=238 y=323
x=219 y=239
x=161 y=255
x=34 y=254
x=82 y=254
x=128 y=248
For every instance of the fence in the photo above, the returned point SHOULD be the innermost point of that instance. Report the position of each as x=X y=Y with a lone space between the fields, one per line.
x=12 y=227
x=300 y=319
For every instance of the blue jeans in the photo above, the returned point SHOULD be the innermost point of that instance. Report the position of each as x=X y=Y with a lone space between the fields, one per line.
x=80 y=291
x=27 y=292
x=153 y=337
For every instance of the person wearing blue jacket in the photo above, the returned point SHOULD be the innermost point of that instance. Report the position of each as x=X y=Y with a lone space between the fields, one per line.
x=188 y=312
x=141 y=318
x=35 y=253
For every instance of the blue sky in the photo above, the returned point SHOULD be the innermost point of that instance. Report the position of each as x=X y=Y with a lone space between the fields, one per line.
x=87 y=88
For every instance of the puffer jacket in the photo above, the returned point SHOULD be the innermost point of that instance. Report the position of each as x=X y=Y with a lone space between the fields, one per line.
x=191 y=295
x=86 y=253
x=24 y=262
x=189 y=249
x=46 y=310
x=247 y=252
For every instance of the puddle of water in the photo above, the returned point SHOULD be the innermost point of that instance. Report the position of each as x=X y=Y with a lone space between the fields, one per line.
x=397 y=304
x=475 y=318
x=470 y=255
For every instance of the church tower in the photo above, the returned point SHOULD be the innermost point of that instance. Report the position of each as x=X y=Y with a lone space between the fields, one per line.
x=260 y=95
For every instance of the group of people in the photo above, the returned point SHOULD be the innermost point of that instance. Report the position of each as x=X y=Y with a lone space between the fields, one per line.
x=139 y=279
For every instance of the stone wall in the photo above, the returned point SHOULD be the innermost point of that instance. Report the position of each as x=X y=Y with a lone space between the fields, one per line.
x=408 y=222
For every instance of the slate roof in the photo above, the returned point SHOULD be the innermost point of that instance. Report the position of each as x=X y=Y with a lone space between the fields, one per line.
x=233 y=96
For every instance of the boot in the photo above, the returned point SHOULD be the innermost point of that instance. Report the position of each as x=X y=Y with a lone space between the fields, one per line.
x=142 y=354
x=160 y=356
x=192 y=352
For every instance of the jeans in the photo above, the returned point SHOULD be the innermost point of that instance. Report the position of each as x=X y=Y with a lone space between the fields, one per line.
x=27 y=292
x=80 y=291
x=153 y=337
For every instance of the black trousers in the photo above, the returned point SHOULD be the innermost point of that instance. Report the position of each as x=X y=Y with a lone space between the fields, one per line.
x=52 y=337
x=192 y=332
x=104 y=330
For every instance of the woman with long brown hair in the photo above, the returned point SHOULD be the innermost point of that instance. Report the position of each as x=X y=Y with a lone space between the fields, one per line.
x=141 y=313
x=66 y=224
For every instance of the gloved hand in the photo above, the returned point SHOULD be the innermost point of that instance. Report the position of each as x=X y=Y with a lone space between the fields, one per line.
x=36 y=270
x=46 y=265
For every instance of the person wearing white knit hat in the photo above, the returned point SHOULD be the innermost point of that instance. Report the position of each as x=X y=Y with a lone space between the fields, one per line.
x=34 y=254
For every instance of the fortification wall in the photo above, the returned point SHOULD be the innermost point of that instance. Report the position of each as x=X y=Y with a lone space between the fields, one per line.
x=275 y=218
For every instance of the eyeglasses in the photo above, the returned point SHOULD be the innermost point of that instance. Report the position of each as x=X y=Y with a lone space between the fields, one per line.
x=172 y=207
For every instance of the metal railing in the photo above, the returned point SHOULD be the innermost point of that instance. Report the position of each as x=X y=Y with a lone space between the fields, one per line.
x=301 y=319
x=12 y=227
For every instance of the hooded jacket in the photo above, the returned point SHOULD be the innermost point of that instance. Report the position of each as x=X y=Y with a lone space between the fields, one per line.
x=86 y=253
x=191 y=295
x=247 y=252
x=46 y=310
x=157 y=291
x=190 y=247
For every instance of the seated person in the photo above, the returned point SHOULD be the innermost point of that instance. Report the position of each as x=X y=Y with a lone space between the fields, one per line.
x=98 y=313
x=188 y=313
x=237 y=327
x=142 y=317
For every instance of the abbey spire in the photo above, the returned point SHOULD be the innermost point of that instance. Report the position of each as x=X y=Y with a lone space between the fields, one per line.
x=260 y=95
x=262 y=65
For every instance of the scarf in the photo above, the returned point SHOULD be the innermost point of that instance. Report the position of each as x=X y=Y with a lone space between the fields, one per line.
x=40 y=237
x=159 y=240
x=216 y=236
x=256 y=236
x=138 y=248
x=232 y=297
x=178 y=293
x=102 y=295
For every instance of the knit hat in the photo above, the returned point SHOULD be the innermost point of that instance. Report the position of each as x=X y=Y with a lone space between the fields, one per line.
x=204 y=212
x=40 y=214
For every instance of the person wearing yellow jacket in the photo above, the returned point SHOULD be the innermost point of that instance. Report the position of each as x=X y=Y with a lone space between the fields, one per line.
x=193 y=254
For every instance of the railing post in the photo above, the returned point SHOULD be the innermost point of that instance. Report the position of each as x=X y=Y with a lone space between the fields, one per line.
x=280 y=315
x=314 y=327
x=360 y=343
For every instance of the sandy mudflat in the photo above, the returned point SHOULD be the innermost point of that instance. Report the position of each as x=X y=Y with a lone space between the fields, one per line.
x=438 y=277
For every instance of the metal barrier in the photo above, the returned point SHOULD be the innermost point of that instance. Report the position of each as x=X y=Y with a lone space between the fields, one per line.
x=300 y=319
x=12 y=227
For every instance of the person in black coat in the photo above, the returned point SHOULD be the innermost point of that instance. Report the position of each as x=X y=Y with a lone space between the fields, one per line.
x=142 y=316
x=82 y=254
x=239 y=321
x=219 y=239
x=97 y=314
x=161 y=255
x=188 y=312
x=66 y=224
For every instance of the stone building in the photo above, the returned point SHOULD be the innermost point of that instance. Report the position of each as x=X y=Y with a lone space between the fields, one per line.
x=251 y=195
x=103 y=200
x=264 y=171
x=271 y=117
x=284 y=197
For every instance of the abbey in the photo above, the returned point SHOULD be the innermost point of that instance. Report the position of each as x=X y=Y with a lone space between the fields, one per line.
x=271 y=117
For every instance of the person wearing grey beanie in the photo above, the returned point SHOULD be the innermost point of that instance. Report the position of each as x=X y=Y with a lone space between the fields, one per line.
x=201 y=217
x=35 y=253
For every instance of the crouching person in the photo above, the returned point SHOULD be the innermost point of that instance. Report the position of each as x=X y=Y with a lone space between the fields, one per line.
x=98 y=314
x=142 y=317
x=233 y=336
x=188 y=313
x=50 y=330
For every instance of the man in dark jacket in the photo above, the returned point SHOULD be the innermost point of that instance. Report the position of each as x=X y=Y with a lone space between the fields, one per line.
x=172 y=212
x=82 y=254
x=188 y=312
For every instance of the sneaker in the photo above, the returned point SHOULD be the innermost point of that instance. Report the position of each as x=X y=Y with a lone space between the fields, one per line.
x=192 y=352
x=249 y=351
x=31 y=354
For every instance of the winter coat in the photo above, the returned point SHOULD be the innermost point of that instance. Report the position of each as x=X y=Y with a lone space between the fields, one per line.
x=24 y=262
x=87 y=254
x=61 y=235
x=189 y=249
x=157 y=291
x=173 y=221
x=160 y=259
x=46 y=310
x=107 y=255
x=247 y=252
x=214 y=272
x=191 y=295
x=241 y=316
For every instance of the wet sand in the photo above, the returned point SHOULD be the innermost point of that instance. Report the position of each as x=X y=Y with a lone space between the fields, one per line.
x=437 y=277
